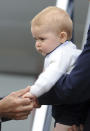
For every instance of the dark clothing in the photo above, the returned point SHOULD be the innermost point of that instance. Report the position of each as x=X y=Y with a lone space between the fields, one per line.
x=87 y=123
x=70 y=114
x=3 y=120
x=75 y=87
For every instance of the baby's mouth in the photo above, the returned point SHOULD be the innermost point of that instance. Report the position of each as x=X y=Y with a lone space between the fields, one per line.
x=39 y=50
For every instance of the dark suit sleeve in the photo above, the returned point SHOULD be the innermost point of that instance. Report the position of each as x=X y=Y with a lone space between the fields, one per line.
x=5 y=119
x=75 y=87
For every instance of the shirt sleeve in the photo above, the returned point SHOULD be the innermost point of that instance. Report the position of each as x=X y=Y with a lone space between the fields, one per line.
x=57 y=67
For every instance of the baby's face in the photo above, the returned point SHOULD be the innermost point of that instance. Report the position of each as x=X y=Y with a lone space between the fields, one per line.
x=46 y=40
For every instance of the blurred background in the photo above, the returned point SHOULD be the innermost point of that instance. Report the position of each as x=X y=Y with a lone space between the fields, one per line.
x=20 y=64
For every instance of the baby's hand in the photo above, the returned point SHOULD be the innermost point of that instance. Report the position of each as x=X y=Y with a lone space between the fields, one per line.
x=32 y=98
x=29 y=95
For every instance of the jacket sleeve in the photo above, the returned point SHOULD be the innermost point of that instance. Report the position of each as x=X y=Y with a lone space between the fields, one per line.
x=75 y=87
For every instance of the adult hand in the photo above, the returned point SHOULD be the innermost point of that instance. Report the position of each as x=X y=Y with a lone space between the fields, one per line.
x=76 y=128
x=14 y=106
x=32 y=98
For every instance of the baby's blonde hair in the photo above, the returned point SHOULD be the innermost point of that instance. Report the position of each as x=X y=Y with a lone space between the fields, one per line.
x=54 y=18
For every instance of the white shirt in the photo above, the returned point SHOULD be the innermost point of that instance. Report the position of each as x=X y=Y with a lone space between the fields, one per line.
x=58 y=62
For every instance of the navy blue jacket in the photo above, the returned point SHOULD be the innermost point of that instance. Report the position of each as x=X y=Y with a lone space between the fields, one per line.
x=75 y=87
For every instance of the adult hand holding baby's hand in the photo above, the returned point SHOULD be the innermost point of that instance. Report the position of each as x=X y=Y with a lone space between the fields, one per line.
x=14 y=106
x=29 y=95
x=32 y=98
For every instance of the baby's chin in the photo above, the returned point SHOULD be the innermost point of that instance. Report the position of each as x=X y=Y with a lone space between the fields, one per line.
x=42 y=53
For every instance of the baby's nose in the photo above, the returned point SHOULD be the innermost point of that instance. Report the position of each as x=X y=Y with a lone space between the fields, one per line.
x=38 y=44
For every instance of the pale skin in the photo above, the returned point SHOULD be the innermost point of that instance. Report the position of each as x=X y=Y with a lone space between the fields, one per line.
x=14 y=106
x=46 y=39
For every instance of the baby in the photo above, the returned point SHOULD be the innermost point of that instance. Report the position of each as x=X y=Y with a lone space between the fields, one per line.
x=52 y=31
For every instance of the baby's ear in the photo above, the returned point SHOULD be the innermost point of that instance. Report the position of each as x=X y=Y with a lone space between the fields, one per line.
x=63 y=36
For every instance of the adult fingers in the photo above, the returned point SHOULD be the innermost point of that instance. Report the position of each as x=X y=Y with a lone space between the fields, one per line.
x=21 y=116
x=70 y=129
x=22 y=92
x=23 y=101
x=28 y=107
x=29 y=87
x=75 y=128
x=24 y=108
x=81 y=127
